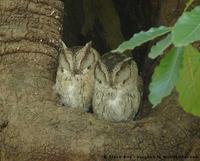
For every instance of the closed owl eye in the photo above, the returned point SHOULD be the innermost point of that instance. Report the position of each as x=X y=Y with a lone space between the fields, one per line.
x=123 y=75
x=124 y=81
x=87 y=63
x=99 y=75
x=64 y=63
x=99 y=81
x=85 y=57
x=89 y=67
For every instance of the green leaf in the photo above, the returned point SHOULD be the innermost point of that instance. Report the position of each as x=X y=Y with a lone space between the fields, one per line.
x=165 y=76
x=141 y=38
x=187 y=28
x=160 y=46
x=188 y=84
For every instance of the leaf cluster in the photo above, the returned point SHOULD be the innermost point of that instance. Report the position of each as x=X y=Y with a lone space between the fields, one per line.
x=179 y=66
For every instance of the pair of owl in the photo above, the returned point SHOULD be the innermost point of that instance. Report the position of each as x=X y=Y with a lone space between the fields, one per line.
x=110 y=84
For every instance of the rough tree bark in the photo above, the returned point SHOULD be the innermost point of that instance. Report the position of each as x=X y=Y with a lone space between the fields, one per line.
x=34 y=127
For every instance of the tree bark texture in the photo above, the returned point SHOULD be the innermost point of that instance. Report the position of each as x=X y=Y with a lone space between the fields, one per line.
x=33 y=127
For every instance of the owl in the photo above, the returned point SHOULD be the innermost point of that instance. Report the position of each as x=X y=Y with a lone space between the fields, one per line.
x=75 y=76
x=117 y=89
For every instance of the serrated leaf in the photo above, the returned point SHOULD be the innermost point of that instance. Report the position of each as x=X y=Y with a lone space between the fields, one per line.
x=141 y=38
x=165 y=76
x=188 y=84
x=187 y=28
x=160 y=46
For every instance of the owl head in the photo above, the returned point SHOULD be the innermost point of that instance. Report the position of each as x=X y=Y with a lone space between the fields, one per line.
x=116 y=71
x=78 y=60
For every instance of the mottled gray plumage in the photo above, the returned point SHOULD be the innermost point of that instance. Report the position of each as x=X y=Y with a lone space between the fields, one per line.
x=75 y=76
x=116 y=93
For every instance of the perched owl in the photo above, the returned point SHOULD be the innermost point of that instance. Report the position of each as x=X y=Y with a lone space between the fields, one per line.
x=117 y=91
x=75 y=76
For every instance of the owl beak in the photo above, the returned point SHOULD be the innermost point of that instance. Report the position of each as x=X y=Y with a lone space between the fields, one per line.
x=112 y=84
x=77 y=72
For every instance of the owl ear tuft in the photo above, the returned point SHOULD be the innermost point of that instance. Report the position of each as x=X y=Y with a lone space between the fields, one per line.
x=127 y=59
x=63 y=45
x=87 y=46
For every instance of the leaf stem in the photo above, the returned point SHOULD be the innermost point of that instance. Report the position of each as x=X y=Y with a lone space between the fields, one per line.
x=188 y=4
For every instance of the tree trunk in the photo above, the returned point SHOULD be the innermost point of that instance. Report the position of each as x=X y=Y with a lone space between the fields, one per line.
x=33 y=127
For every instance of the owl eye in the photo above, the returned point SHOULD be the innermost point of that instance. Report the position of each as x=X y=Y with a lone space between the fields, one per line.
x=99 y=75
x=64 y=63
x=86 y=63
x=89 y=67
x=100 y=81
x=123 y=75
x=85 y=57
